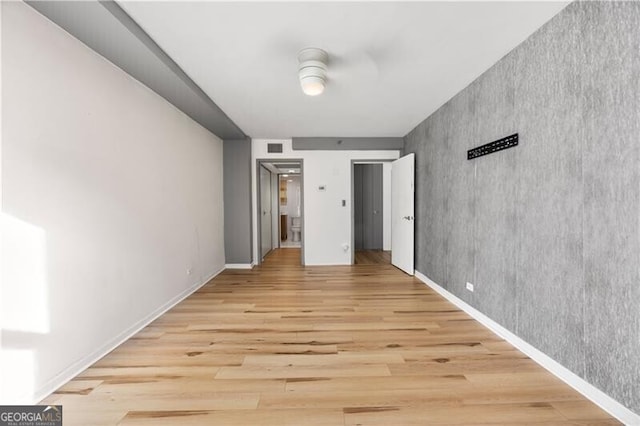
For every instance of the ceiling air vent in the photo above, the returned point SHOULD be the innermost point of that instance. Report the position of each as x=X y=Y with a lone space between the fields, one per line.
x=274 y=147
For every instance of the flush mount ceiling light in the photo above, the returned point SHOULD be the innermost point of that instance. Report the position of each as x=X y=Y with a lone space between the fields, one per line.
x=312 y=70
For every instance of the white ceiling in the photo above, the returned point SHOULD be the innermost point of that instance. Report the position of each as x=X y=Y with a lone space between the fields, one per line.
x=392 y=64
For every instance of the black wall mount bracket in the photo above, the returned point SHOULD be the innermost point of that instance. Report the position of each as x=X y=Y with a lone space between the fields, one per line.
x=491 y=147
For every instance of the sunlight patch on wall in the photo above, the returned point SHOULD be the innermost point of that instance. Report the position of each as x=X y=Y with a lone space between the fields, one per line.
x=24 y=293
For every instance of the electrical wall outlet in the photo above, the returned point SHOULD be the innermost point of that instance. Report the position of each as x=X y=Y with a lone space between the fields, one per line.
x=189 y=271
x=469 y=286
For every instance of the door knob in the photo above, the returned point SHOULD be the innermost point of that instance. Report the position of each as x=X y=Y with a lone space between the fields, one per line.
x=408 y=217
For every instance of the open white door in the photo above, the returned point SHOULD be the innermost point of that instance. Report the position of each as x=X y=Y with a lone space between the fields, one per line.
x=402 y=188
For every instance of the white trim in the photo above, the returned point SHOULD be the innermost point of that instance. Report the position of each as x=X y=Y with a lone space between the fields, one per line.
x=592 y=393
x=82 y=364
x=238 y=266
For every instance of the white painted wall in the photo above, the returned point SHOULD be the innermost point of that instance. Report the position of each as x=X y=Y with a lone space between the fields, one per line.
x=326 y=223
x=110 y=195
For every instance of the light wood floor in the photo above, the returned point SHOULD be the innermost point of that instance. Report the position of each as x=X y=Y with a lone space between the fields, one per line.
x=290 y=345
x=372 y=257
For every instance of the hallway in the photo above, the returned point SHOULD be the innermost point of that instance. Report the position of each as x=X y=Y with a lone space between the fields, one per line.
x=372 y=257
x=284 y=344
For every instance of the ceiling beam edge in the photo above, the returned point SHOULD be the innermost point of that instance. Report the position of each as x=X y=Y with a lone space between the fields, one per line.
x=213 y=118
x=348 y=144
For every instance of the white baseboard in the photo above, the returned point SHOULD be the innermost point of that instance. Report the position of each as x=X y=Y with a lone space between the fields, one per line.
x=79 y=366
x=238 y=266
x=592 y=393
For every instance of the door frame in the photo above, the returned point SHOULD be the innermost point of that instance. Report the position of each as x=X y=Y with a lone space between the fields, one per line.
x=353 y=197
x=259 y=178
x=259 y=162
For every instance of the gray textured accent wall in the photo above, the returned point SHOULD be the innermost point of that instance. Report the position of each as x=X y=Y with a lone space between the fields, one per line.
x=238 y=235
x=549 y=231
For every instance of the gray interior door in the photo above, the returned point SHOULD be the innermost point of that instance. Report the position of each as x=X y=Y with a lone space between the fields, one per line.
x=367 y=182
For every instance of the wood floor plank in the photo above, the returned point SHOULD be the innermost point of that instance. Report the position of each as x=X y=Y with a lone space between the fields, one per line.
x=188 y=385
x=284 y=344
x=320 y=371
x=581 y=410
x=342 y=359
x=460 y=415
x=278 y=417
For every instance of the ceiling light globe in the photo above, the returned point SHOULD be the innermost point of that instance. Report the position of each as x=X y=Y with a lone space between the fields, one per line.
x=312 y=86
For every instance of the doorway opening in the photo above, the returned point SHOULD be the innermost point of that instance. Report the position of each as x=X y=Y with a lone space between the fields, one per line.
x=371 y=212
x=289 y=190
x=280 y=208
